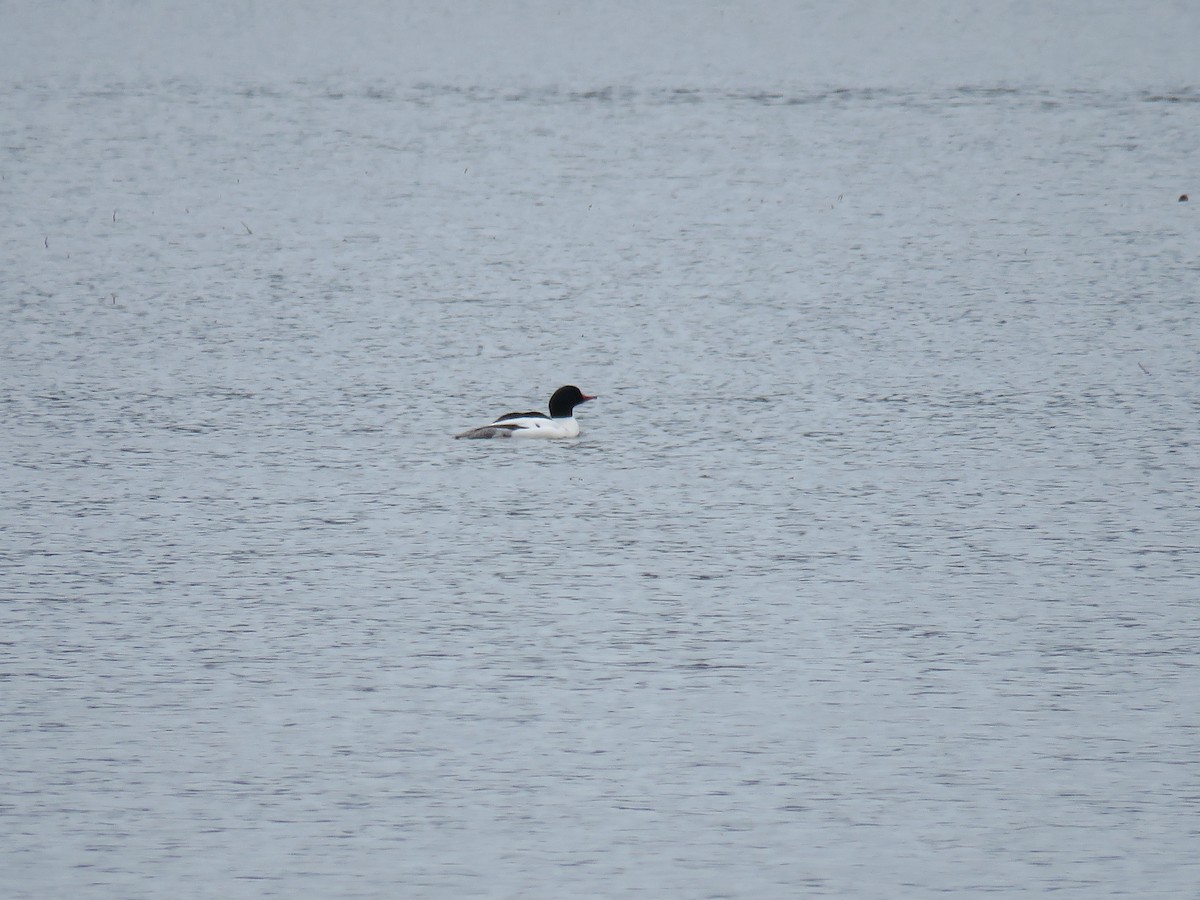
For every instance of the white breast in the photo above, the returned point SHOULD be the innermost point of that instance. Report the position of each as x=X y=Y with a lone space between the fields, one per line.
x=544 y=428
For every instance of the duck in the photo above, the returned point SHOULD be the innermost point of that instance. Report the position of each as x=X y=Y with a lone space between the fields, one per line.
x=559 y=425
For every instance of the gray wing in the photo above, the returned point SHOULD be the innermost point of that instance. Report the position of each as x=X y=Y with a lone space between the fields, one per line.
x=498 y=430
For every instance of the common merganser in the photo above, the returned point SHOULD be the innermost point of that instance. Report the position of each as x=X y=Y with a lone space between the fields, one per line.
x=559 y=424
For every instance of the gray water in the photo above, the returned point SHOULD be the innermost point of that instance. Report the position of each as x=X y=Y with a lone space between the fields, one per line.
x=873 y=574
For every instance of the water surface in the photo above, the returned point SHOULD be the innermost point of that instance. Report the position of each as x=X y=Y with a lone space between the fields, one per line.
x=873 y=573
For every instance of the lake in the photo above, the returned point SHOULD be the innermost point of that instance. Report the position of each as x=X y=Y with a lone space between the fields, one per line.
x=874 y=572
